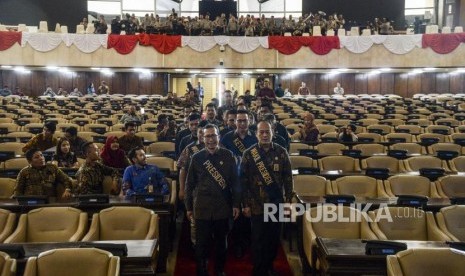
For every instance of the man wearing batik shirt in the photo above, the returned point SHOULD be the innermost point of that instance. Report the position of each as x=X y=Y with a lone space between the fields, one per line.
x=265 y=173
x=43 y=141
x=212 y=198
x=41 y=179
x=91 y=174
x=185 y=158
x=130 y=140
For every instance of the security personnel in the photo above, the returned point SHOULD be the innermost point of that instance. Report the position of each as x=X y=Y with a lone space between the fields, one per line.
x=265 y=173
x=212 y=198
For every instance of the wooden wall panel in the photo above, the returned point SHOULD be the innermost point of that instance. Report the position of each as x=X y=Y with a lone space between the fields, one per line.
x=348 y=83
x=401 y=84
x=387 y=83
x=321 y=85
x=442 y=83
x=373 y=84
x=414 y=84
x=457 y=83
x=361 y=86
x=428 y=83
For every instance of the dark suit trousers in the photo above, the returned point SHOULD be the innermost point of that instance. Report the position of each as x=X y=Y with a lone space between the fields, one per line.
x=204 y=231
x=265 y=242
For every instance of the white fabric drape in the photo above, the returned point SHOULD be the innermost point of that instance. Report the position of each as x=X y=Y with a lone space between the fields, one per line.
x=397 y=44
x=45 y=42
x=239 y=44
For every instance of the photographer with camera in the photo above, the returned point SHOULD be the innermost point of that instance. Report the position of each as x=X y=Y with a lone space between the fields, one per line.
x=100 y=25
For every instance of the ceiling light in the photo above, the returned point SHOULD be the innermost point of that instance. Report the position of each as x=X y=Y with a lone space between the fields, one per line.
x=260 y=70
x=458 y=71
x=142 y=71
x=415 y=71
x=429 y=69
x=385 y=69
x=7 y=66
x=179 y=70
x=246 y=72
x=374 y=72
x=22 y=70
x=194 y=71
x=221 y=71
x=343 y=69
x=95 y=68
x=52 y=68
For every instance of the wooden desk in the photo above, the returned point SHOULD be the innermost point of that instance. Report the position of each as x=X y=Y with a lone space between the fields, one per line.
x=140 y=260
x=164 y=211
x=347 y=257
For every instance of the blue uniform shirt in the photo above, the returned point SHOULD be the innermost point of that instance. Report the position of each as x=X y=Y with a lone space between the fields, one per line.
x=140 y=177
x=228 y=141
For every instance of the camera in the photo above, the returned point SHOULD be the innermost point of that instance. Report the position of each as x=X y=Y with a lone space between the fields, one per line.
x=222 y=49
x=221 y=62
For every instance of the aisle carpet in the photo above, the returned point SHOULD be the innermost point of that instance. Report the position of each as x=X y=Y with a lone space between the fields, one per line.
x=185 y=262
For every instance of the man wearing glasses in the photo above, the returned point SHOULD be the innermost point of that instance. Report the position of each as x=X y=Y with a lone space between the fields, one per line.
x=212 y=198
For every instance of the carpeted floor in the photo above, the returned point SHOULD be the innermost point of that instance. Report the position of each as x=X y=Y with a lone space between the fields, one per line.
x=185 y=262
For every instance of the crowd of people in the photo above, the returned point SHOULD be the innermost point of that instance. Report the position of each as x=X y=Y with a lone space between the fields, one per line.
x=224 y=24
x=232 y=159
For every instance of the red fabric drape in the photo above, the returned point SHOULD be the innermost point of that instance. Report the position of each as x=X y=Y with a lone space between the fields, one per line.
x=164 y=44
x=288 y=45
x=124 y=44
x=8 y=39
x=442 y=43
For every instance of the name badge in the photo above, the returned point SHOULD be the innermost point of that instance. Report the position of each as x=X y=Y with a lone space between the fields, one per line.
x=276 y=167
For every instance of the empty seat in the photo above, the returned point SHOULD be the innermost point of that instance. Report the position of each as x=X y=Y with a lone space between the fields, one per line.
x=313 y=228
x=50 y=224
x=410 y=185
x=405 y=223
x=123 y=223
x=302 y=162
x=311 y=185
x=330 y=148
x=342 y=163
x=434 y=148
x=16 y=147
x=416 y=163
x=426 y=261
x=451 y=186
x=73 y=262
x=451 y=221
x=359 y=186
x=374 y=137
x=457 y=164
x=7 y=187
x=412 y=129
x=370 y=149
x=295 y=148
x=411 y=148
x=392 y=164
x=158 y=148
x=400 y=137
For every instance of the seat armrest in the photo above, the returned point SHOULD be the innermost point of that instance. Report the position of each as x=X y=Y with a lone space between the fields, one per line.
x=31 y=266
x=153 y=228
x=393 y=266
x=375 y=228
x=434 y=233
x=114 y=267
x=94 y=230
x=9 y=227
x=80 y=231
x=20 y=234
x=442 y=226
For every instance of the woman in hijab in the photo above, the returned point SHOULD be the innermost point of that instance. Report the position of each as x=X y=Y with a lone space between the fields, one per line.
x=112 y=155
x=309 y=132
